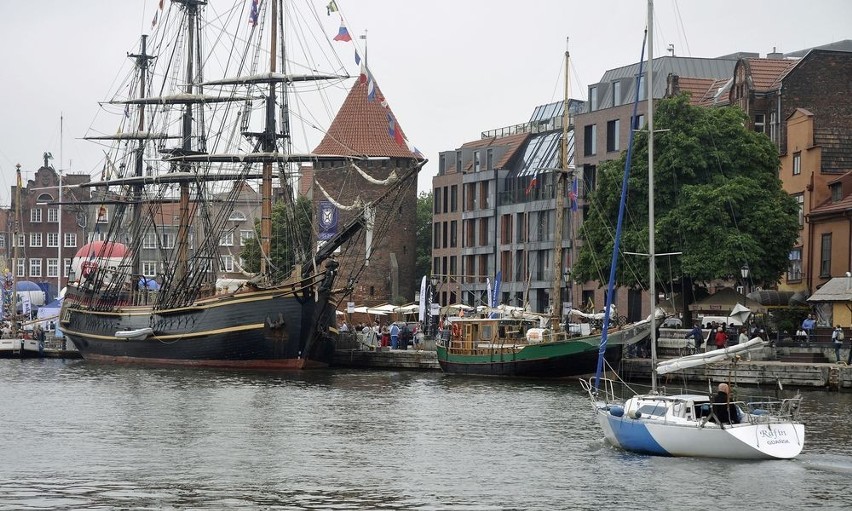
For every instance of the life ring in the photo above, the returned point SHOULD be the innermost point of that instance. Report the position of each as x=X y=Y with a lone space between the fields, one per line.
x=456 y=330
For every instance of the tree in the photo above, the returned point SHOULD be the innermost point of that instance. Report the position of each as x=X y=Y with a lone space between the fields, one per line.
x=291 y=236
x=423 y=262
x=718 y=199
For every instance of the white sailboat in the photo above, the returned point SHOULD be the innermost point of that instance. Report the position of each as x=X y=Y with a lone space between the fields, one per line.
x=691 y=424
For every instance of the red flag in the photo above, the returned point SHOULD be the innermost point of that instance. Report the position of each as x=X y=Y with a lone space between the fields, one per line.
x=532 y=184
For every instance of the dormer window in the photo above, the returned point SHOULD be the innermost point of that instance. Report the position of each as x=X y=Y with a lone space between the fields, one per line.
x=836 y=192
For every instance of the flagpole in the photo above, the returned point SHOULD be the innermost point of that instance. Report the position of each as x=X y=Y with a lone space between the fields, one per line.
x=364 y=37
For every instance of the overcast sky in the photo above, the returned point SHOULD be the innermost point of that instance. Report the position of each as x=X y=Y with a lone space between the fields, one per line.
x=450 y=69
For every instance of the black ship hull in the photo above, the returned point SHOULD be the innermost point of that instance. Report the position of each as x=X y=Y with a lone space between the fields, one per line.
x=266 y=329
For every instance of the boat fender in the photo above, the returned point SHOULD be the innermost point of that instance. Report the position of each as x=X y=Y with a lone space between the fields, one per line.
x=758 y=411
x=637 y=414
x=616 y=411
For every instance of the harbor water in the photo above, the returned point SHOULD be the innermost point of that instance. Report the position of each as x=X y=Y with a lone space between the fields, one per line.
x=76 y=435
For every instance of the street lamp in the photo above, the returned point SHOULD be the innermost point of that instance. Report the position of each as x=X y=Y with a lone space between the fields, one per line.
x=566 y=278
x=744 y=272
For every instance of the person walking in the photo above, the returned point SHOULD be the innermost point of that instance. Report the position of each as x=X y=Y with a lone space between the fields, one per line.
x=394 y=336
x=837 y=339
x=808 y=326
x=696 y=335
x=721 y=338
x=742 y=339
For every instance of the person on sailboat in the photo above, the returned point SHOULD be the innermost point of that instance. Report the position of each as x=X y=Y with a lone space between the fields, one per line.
x=725 y=411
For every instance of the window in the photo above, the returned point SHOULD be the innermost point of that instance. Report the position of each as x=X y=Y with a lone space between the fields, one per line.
x=590 y=139
x=458 y=161
x=2 y=240
x=53 y=215
x=245 y=236
x=836 y=192
x=445 y=234
x=149 y=268
x=35 y=267
x=797 y=164
x=237 y=216
x=53 y=239
x=642 y=87
x=150 y=240
x=638 y=122
x=35 y=239
x=21 y=241
x=760 y=123
x=168 y=240
x=794 y=269
x=442 y=164
x=436 y=235
x=825 y=257
x=593 y=99
x=227 y=239
x=476 y=162
x=70 y=239
x=53 y=267
x=21 y=265
x=800 y=203
x=454 y=198
x=454 y=228
x=616 y=93
x=437 y=198
x=66 y=264
x=612 y=129
x=35 y=215
x=103 y=215
x=226 y=263
x=489 y=159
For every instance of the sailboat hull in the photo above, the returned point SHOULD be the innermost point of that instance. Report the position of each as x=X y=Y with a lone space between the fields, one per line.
x=573 y=356
x=269 y=329
x=783 y=440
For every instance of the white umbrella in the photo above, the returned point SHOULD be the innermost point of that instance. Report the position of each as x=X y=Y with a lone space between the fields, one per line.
x=740 y=312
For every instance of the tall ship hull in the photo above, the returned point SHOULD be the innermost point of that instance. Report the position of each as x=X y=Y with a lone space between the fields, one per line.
x=269 y=329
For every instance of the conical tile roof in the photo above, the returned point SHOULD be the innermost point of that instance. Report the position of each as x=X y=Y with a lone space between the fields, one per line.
x=361 y=128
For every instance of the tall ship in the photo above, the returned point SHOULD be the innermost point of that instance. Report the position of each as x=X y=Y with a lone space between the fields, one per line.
x=149 y=285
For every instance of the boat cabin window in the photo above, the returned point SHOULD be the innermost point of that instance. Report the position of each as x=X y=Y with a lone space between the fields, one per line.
x=657 y=409
x=486 y=333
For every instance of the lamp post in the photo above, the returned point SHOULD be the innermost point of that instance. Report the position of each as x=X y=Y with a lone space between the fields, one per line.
x=744 y=272
x=566 y=278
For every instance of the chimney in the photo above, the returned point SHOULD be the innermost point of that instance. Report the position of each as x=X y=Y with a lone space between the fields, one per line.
x=775 y=55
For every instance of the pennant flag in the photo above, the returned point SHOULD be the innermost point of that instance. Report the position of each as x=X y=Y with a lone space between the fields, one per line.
x=161 y=4
x=532 y=184
x=343 y=34
x=154 y=21
x=357 y=59
x=393 y=131
x=331 y=7
x=371 y=87
x=253 y=14
x=573 y=195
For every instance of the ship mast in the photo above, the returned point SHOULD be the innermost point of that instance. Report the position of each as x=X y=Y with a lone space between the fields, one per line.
x=142 y=59
x=17 y=230
x=560 y=174
x=268 y=146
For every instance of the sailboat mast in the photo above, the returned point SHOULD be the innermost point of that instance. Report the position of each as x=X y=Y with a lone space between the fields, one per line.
x=559 y=202
x=268 y=146
x=17 y=228
x=652 y=262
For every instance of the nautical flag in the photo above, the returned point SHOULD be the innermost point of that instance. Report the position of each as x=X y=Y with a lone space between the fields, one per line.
x=154 y=21
x=331 y=7
x=371 y=87
x=532 y=184
x=343 y=34
x=357 y=59
x=573 y=195
x=253 y=14
x=161 y=4
x=394 y=131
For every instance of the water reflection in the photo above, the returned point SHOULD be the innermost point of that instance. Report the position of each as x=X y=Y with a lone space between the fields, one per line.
x=80 y=435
